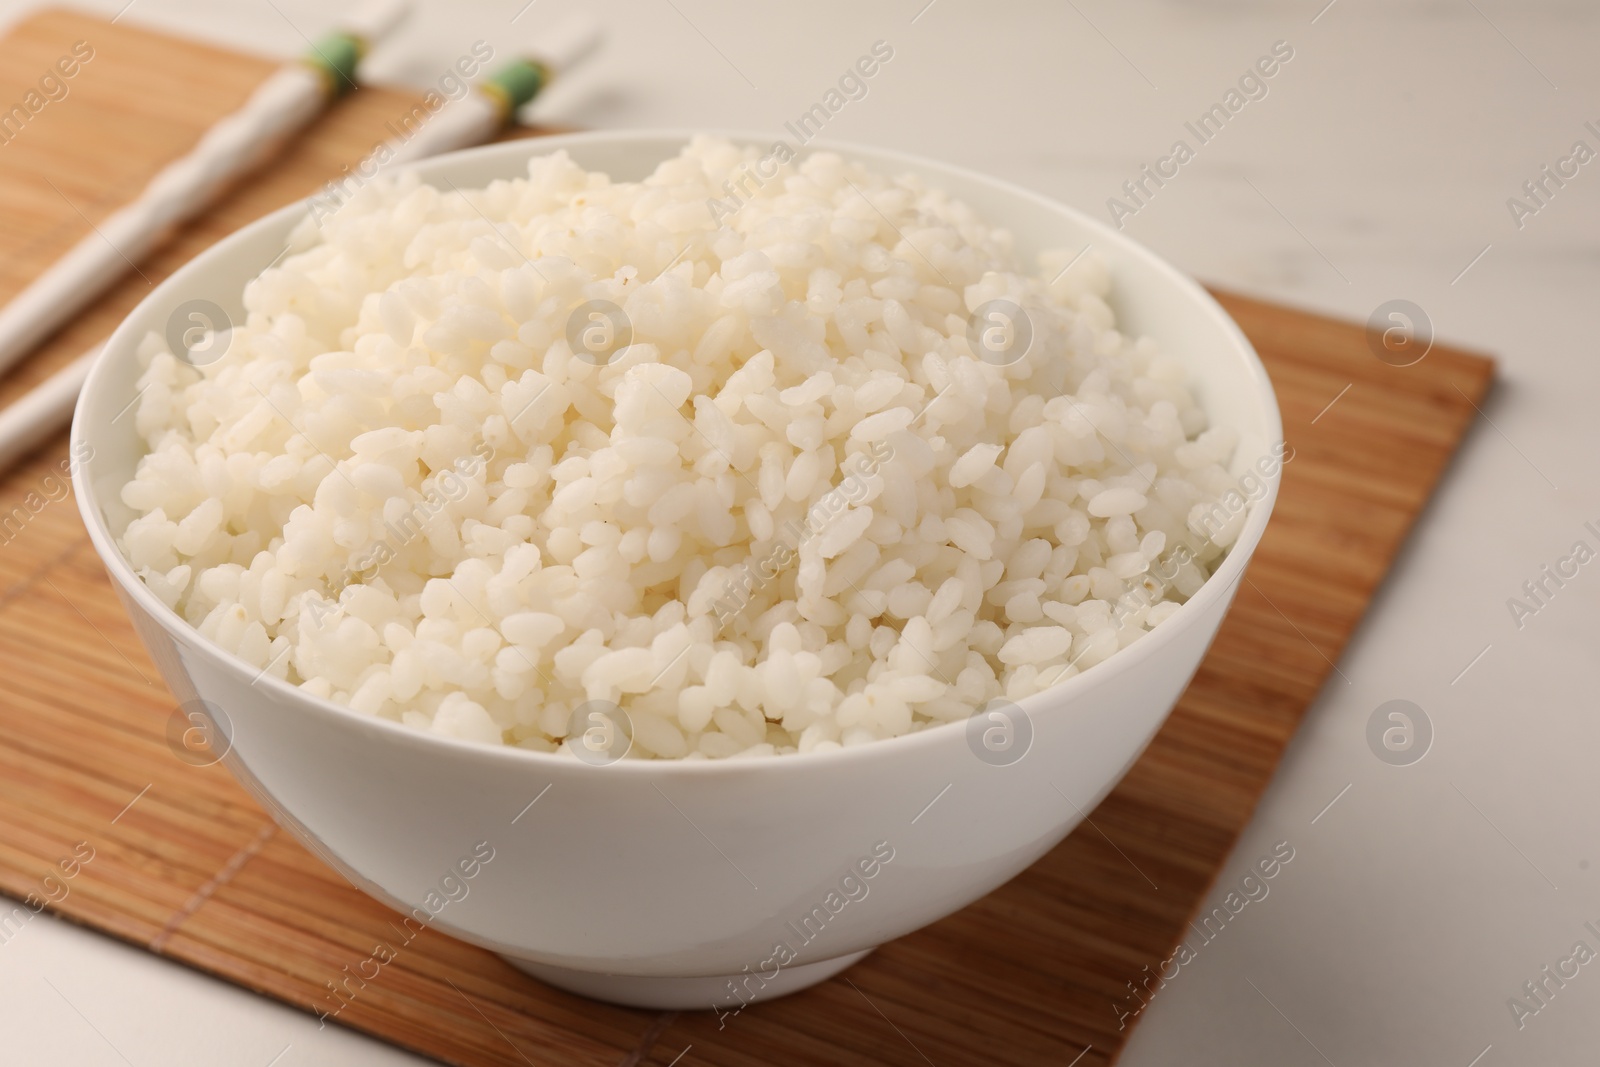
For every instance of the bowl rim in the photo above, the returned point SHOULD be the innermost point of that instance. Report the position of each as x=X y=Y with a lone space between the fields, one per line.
x=1058 y=698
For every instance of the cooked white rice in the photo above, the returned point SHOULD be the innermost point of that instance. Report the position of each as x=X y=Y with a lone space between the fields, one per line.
x=402 y=491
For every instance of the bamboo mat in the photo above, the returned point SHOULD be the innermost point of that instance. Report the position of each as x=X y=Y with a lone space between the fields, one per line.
x=185 y=864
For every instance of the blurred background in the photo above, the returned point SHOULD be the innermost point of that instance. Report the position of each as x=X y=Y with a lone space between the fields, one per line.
x=1378 y=163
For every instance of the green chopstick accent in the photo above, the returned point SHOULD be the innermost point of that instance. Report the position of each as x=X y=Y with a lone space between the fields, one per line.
x=514 y=84
x=335 y=56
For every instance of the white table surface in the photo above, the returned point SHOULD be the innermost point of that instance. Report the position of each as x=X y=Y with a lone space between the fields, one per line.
x=1377 y=167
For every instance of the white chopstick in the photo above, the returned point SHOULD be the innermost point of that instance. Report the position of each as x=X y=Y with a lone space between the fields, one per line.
x=289 y=99
x=41 y=412
x=45 y=409
x=493 y=104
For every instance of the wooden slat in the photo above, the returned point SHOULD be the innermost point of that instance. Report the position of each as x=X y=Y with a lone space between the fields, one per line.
x=194 y=869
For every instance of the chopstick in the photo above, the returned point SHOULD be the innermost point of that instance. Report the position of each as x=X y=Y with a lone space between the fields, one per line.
x=493 y=104
x=491 y=107
x=41 y=412
x=283 y=104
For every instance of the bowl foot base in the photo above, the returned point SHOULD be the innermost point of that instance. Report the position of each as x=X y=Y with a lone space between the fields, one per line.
x=714 y=991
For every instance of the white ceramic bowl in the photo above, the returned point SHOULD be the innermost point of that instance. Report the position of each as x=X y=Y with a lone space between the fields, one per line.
x=663 y=884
